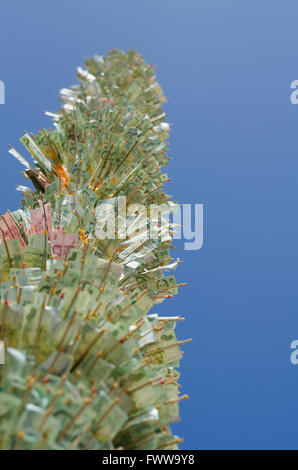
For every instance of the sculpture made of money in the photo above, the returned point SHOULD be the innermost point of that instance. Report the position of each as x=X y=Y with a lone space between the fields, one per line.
x=86 y=365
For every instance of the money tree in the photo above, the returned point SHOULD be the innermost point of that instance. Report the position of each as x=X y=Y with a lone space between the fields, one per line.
x=88 y=364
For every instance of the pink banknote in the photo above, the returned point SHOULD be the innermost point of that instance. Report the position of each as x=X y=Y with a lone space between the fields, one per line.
x=9 y=229
x=62 y=243
x=38 y=217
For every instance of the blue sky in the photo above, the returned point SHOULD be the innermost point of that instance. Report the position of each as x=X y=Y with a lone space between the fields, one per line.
x=226 y=67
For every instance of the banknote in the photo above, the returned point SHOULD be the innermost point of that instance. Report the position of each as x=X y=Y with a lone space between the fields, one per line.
x=62 y=243
x=41 y=220
x=9 y=229
x=36 y=251
x=36 y=152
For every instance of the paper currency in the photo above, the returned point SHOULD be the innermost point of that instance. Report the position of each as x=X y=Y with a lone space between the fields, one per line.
x=9 y=229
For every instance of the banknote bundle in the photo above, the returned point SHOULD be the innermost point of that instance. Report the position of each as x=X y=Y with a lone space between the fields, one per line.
x=82 y=264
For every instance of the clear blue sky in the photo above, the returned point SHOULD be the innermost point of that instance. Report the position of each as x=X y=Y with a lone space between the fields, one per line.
x=226 y=67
